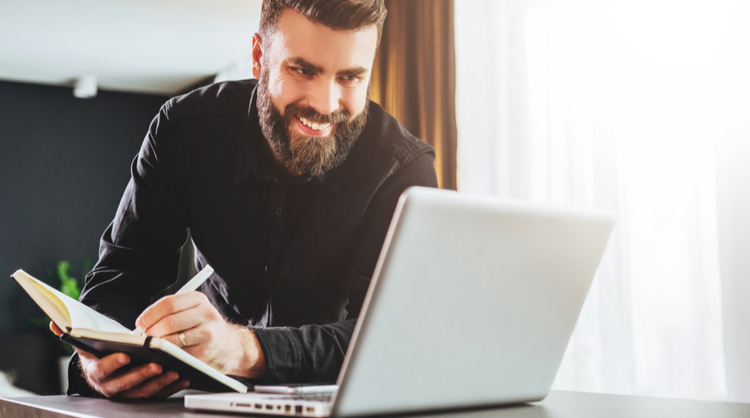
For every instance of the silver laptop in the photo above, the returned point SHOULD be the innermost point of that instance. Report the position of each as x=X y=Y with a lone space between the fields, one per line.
x=472 y=303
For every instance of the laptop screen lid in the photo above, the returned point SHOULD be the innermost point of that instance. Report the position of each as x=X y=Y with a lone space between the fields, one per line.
x=473 y=302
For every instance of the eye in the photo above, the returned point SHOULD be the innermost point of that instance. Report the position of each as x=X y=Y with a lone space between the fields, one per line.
x=304 y=71
x=349 y=79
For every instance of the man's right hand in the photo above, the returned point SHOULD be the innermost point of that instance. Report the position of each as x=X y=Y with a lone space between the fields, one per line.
x=145 y=381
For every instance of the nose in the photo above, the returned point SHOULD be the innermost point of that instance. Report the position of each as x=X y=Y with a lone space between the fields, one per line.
x=325 y=98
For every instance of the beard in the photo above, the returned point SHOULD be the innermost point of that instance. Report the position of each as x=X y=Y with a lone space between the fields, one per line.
x=301 y=154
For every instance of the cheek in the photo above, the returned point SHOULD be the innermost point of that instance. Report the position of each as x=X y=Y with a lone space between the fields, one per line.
x=284 y=91
x=354 y=100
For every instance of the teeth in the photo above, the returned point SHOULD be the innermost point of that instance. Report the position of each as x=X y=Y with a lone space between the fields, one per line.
x=315 y=126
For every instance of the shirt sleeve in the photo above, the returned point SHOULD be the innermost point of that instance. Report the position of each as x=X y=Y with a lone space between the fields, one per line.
x=139 y=251
x=315 y=353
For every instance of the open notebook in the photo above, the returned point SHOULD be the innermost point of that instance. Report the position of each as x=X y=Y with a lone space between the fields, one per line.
x=93 y=332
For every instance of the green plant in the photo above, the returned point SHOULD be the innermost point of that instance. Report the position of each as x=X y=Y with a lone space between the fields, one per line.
x=68 y=286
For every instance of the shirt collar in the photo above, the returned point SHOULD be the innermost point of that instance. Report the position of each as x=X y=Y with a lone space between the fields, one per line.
x=333 y=179
x=259 y=156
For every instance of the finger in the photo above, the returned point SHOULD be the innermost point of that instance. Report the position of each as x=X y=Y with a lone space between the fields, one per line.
x=100 y=369
x=57 y=331
x=192 y=336
x=54 y=328
x=172 y=389
x=150 y=387
x=168 y=305
x=119 y=383
x=177 y=323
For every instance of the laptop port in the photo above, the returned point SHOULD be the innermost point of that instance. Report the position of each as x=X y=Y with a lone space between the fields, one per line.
x=288 y=408
x=310 y=409
x=298 y=409
x=258 y=406
x=269 y=406
x=246 y=405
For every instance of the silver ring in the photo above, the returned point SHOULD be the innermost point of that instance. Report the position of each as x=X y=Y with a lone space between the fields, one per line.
x=182 y=340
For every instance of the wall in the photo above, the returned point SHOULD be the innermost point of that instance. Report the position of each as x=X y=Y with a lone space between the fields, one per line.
x=64 y=163
x=733 y=196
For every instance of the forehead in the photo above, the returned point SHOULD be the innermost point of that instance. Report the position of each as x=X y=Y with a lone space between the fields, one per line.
x=298 y=37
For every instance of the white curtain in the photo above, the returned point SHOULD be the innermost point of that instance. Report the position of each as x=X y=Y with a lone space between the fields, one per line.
x=614 y=104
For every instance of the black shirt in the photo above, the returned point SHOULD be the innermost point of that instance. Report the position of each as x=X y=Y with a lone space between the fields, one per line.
x=292 y=257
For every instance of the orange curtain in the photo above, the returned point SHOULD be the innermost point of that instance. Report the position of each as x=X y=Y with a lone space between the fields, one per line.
x=414 y=76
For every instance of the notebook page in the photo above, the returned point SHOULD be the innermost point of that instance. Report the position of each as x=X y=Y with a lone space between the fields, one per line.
x=81 y=316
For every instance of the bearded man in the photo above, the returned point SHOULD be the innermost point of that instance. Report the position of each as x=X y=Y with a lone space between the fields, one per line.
x=287 y=185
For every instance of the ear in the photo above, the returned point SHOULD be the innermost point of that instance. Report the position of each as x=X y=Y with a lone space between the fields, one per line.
x=257 y=55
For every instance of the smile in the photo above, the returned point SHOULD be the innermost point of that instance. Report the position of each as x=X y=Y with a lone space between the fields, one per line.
x=313 y=128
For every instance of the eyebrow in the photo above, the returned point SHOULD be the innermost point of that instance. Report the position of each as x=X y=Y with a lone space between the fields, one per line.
x=302 y=63
x=358 y=71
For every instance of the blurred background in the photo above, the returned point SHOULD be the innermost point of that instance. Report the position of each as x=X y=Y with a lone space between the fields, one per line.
x=641 y=107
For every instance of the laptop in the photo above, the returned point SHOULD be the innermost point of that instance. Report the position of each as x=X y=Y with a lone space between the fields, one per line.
x=472 y=303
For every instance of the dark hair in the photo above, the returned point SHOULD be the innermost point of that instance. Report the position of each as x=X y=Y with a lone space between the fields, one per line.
x=335 y=14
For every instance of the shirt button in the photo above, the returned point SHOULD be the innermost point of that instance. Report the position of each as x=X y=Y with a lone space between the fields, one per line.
x=277 y=211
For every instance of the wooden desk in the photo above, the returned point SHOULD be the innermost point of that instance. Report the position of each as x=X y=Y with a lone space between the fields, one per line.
x=557 y=405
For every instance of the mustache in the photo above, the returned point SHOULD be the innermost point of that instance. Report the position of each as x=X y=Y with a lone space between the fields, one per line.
x=307 y=112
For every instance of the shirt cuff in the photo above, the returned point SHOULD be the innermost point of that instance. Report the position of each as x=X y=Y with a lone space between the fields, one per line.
x=284 y=355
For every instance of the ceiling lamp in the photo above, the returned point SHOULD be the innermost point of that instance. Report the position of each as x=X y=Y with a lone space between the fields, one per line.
x=85 y=87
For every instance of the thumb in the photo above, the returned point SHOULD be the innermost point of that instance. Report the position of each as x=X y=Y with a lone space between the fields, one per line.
x=55 y=329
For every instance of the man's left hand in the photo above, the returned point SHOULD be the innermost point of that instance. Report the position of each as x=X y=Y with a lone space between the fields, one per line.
x=229 y=348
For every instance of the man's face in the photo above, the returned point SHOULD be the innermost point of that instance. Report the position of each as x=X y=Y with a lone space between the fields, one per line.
x=313 y=91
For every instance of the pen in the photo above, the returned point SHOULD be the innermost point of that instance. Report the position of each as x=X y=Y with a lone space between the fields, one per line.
x=191 y=285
